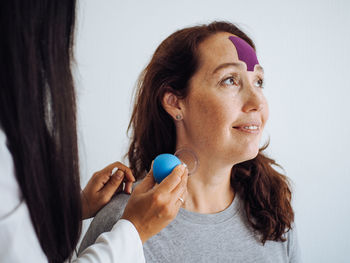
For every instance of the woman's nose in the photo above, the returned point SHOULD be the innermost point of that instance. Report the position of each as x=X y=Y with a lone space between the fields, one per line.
x=254 y=100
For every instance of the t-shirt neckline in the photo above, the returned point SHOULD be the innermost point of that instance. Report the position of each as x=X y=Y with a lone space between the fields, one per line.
x=208 y=219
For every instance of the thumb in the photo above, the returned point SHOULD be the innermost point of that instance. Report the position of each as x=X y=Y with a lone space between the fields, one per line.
x=112 y=185
x=147 y=183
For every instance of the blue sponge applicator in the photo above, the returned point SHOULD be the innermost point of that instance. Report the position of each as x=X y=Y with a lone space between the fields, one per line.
x=163 y=166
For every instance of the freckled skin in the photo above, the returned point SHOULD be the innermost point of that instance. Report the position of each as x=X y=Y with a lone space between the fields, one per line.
x=211 y=109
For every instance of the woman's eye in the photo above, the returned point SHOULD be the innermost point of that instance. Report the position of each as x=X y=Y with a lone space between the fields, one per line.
x=231 y=81
x=259 y=83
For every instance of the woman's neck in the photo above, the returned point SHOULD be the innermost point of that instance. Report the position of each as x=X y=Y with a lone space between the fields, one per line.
x=209 y=190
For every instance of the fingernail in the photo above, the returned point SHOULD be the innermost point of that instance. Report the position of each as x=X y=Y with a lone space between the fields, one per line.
x=119 y=176
x=182 y=167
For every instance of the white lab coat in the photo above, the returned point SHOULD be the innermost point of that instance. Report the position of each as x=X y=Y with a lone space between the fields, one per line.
x=19 y=243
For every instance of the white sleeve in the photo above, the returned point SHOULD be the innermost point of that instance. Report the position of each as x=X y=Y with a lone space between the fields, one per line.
x=18 y=240
x=121 y=244
x=19 y=243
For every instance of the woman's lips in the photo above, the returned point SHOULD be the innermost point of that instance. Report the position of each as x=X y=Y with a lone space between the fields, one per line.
x=248 y=128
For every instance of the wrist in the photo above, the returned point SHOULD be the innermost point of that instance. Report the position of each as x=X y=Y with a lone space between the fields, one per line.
x=137 y=227
x=85 y=209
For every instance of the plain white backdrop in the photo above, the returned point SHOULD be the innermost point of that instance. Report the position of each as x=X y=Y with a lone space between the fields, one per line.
x=304 y=48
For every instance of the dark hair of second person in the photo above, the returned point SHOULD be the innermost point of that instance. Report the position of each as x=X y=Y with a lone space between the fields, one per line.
x=38 y=116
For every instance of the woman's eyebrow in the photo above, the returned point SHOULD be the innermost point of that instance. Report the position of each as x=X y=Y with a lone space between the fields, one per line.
x=237 y=65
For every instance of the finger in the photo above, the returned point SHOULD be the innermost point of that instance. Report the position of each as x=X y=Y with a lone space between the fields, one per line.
x=122 y=167
x=180 y=193
x=120 y=188
x=111 y=166
x=182 y=186
x=147 y=183
x=128 y=187
x=179 y=202
x=129 y=179
x=172 y=180
x=112 y=185
x=98 y=181
x=128 y=173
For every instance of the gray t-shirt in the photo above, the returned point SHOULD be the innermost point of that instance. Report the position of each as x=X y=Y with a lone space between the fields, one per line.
x=194 y=237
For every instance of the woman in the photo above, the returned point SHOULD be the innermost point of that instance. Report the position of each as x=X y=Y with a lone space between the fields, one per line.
x=41 y=207
x=203 y=90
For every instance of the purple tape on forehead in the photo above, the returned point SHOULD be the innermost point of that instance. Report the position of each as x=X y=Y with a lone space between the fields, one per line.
x=245 y=52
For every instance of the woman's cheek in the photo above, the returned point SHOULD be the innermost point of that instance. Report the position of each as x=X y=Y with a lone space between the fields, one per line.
x=266 y=112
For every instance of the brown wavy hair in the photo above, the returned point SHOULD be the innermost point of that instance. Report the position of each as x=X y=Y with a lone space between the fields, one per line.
x=265 y=192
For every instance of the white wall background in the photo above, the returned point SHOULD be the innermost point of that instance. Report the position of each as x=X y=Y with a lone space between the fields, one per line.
x=304 y=48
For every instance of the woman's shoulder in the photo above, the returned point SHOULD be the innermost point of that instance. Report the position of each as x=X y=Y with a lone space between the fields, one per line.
x=105 y=219
x=293 y=247
x=114 y=209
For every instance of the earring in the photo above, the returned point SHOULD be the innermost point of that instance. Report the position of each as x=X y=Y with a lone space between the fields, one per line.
x=178 y=117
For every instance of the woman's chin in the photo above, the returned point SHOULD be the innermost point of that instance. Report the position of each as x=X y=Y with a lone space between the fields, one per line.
x=246 y=156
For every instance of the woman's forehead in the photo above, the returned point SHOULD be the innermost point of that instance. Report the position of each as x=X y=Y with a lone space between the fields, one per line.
x=245 y=52
x=226 y=48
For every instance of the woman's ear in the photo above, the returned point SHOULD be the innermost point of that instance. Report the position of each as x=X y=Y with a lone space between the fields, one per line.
x=171 y=105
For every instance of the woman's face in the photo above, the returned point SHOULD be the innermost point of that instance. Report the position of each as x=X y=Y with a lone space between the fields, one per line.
x=225 y=111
